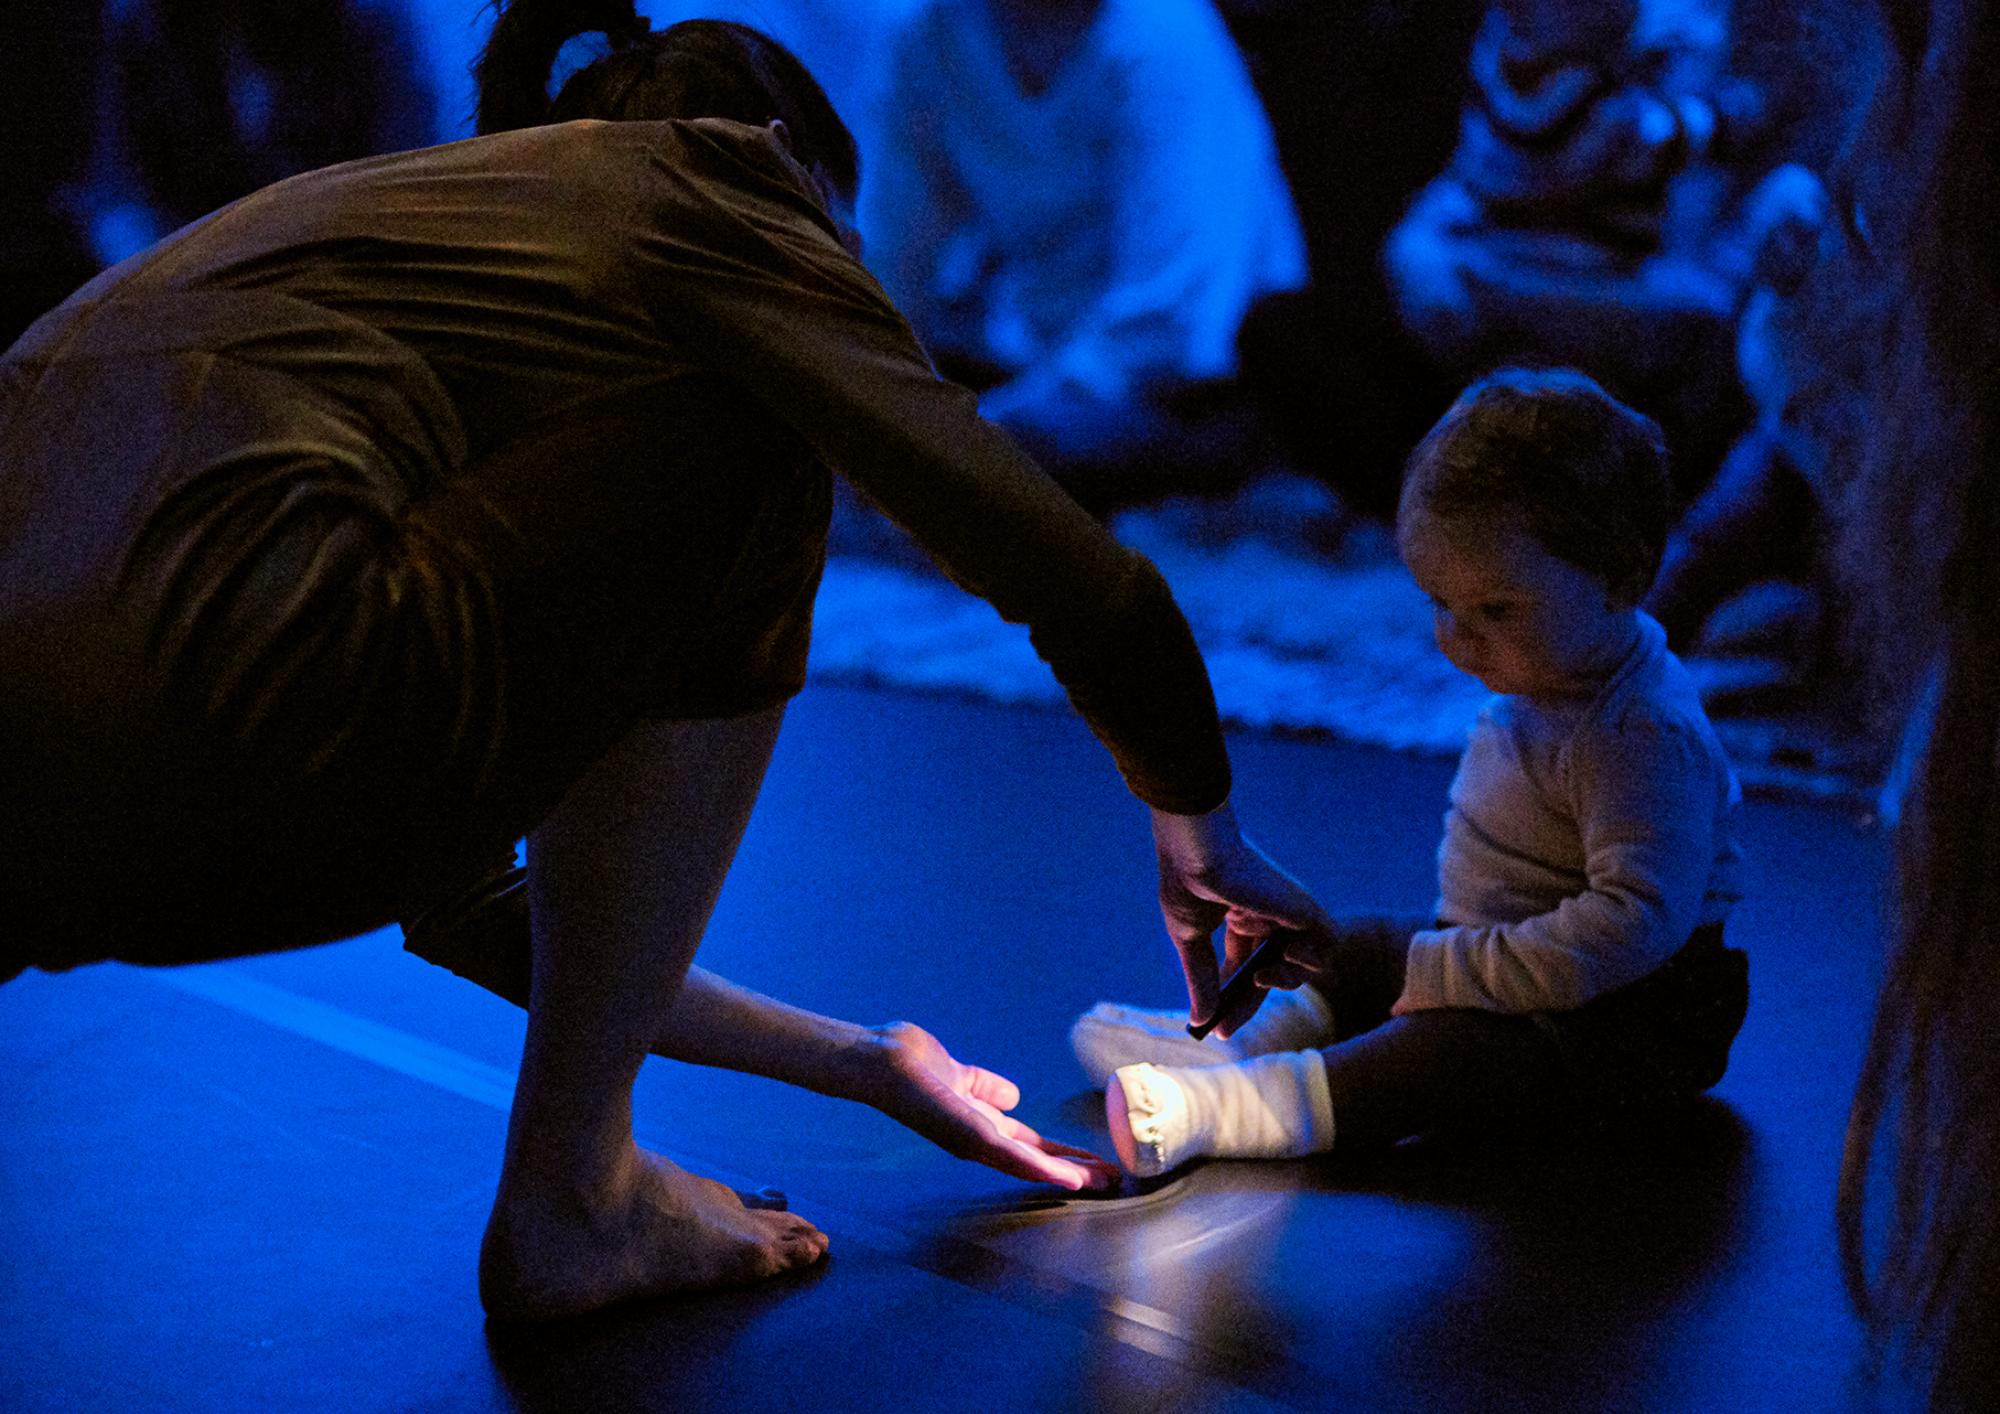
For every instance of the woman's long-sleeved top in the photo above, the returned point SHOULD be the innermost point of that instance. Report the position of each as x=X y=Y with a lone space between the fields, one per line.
x=538 y=273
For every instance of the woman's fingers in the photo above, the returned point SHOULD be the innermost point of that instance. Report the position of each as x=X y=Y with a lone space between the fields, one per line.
x=1059 y=1162
x=1002 y=1142
x=1305 y=957
x=1204 y=980
x=1020 y=1151
x=1207 y=882
x=1024 y=1161
x=1238 y=945
x=992 y=1088
x=1285 y=976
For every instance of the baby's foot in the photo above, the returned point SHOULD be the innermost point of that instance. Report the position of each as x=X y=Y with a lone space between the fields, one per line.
x=1269 y=1107
x=1110 y=1035
x=1146 y=1110
x=654 y=1228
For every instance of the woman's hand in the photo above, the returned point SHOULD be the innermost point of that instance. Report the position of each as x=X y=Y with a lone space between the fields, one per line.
x=905 y=1072
x=1210 y=876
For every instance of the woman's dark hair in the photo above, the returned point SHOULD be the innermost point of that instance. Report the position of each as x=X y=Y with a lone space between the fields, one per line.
x=1579 y=471
x=695 y=69
x=1919 y=1210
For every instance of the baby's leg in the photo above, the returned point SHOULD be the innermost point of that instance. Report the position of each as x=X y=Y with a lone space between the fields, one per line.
x=1412 y=1075
x=1111 y=1035
x=1438 y=1070
x=1364 y=980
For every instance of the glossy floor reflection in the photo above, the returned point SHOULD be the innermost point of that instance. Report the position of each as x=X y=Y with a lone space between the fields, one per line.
x=260 y=1184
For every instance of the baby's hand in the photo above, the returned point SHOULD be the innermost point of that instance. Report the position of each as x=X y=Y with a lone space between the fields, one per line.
x=1308 y=957
x=1359 y=960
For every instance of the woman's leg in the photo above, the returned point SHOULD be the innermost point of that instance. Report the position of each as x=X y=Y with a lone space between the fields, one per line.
x=622 y=877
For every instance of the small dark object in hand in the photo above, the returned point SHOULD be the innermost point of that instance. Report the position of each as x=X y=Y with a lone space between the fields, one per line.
x=1241 y=982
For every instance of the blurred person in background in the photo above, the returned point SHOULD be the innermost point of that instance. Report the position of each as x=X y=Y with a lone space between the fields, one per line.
x=1075 y=202
x=47 y=118
x=213 y=99
x=1591 y=213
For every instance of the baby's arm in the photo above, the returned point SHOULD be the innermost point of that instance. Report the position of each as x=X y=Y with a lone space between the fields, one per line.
x=1646 y=797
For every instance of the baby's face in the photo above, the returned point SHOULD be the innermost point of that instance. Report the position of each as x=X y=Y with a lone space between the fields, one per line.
x=1508 y=612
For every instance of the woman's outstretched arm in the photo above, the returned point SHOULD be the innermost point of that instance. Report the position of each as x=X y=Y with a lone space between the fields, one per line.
x=898 y=1068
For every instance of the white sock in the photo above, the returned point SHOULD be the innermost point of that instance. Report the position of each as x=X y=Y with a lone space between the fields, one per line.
x=1110 y=1035
x=1294 y=1019
x=1269 y=1107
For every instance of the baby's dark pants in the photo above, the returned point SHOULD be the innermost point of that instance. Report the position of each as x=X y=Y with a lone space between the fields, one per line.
x=287 y=654
x=1664 y=1037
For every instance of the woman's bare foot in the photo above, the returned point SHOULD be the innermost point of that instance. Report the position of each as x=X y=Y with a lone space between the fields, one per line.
x=654 y=1228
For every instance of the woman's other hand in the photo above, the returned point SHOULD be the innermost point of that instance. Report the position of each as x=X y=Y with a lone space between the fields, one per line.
x=1210 y=877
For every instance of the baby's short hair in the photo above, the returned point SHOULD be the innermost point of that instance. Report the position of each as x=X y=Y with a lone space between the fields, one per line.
x=1581 y=472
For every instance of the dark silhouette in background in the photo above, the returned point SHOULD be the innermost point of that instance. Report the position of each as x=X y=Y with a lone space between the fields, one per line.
x=216 y=98
x=1810 y=330
x=1591 y=213
x=1364 y=101
x=160 y=111
x=1074 y=204
x=48 y=111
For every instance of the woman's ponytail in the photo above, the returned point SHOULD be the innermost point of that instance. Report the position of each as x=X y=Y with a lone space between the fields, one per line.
x=694 y=69
x=513 y=69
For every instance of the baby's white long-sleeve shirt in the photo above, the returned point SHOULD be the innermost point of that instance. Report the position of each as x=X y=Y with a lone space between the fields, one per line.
x=1586 y=838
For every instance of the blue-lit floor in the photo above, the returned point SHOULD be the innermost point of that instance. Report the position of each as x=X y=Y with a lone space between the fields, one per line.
x=260 y=1185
